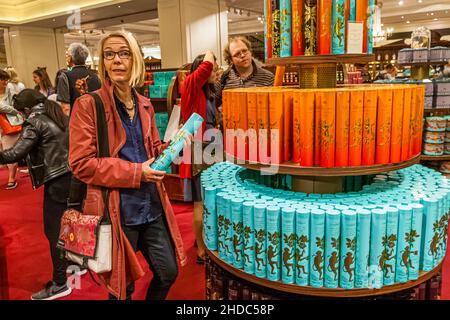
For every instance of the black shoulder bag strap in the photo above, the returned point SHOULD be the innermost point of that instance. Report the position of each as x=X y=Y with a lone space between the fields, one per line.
x=78 y=188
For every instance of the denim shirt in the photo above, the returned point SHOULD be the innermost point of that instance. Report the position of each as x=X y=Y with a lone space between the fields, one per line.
x=137 y=206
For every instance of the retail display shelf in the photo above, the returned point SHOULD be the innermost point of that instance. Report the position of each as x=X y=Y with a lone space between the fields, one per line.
x=323 y=292
x=158 y=99
x=437 y=63
x=445 y=157
x=437 y=110
x=294 y=169
x=318 y=59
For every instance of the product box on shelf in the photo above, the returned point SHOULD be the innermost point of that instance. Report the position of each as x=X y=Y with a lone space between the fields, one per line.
x=164 y=91
x=443 y=101
x=405 y=55
x=443 y=87
x=159 y=78
x=428 y=102
x=436 y=124
x=434 y=137
x=437 y=54
x=420 y=55
x=168 y=76
x=155 y=91
x=429 y=87
x=432 y=149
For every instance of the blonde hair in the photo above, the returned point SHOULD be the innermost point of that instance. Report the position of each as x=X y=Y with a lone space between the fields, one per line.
x=13 y=77
x=138 y=66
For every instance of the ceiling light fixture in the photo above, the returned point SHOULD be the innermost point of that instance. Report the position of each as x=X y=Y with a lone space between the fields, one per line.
x=408 y=22
x=400 y=3
x=432 y=13
x=435 y=19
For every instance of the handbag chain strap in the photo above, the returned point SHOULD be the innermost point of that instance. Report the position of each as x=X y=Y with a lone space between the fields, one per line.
x=78 y=188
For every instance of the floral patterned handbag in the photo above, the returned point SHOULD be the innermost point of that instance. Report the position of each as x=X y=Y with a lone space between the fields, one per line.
x=87 y=239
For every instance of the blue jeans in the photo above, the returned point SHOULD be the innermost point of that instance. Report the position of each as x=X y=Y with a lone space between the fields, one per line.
x=155 y=243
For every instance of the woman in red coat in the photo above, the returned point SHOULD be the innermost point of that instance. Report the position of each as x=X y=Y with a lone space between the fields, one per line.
x=141 y=215
x=198 y=96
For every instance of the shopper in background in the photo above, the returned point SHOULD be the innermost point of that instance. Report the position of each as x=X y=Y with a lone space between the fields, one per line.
x=14 y=83
x=42 y=81
x=140 y=210
x=242 y=71
x=54 y=96
x=198 y=96
x=44 y=139
x=15 y=87
x=389 y=72
x=77 y=54
x=446 y=70
x=8 y=140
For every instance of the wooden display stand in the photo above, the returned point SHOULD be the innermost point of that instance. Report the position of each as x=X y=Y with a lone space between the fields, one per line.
x=317 y=71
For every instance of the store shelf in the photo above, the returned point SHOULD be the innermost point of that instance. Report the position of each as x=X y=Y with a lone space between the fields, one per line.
x=294 y=169
x=435 y=158
x=423 y=63
x=318 y=59
x=158 y=99
x=322 y=292
x=437 y=110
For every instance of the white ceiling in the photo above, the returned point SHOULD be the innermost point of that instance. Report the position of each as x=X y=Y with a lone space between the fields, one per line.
x=416 y=13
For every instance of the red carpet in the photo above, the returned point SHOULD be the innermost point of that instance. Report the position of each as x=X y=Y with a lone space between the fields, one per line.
x=25 y=264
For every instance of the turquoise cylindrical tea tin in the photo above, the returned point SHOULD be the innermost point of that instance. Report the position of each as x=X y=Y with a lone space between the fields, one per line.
x=332 y=241
x=273 y=227
x=302 y=251
x=317 y=248
x=378 y=232
x=363 y=227
x=348 y=249
x=288 y=245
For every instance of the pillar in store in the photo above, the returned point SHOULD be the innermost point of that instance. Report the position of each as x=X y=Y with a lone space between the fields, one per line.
x=189 y=28
x=29 y=48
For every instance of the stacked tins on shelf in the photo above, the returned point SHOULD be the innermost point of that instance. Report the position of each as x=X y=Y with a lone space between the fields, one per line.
x=385 y=234
x=435 y=135
x=342 y=127
x=314 y=27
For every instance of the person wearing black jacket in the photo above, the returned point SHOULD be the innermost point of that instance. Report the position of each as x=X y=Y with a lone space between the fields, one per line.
x=44 y=141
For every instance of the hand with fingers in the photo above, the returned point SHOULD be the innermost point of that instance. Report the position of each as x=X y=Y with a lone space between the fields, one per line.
x=81 y=85
x=150 y=175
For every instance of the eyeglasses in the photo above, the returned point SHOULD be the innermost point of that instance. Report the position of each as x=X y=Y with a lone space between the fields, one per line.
x=241 y=53
x=123 y=54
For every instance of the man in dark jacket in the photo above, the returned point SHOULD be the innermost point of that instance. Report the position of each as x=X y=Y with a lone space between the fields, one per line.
x=67 y=89
x=44 y=141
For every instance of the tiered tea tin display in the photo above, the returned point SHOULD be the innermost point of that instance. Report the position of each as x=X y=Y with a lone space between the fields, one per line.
x=355 y=216
x=391 y=232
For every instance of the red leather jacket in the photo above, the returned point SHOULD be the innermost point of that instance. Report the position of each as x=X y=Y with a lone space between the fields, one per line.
x=115 y=173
